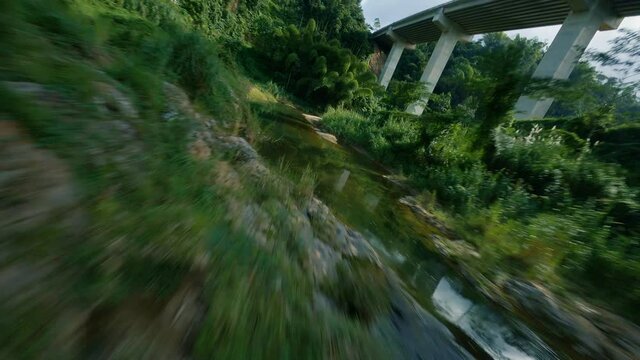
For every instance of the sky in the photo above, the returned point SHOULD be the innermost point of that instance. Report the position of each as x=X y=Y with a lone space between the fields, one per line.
x=389 y=11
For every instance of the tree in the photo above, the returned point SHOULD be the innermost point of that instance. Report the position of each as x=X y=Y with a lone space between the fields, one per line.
x=376 y=24
x=320 y=71
x=624 y=54
x=339 y=19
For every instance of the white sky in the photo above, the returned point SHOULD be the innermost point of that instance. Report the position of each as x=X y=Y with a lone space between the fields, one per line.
x=389 y=11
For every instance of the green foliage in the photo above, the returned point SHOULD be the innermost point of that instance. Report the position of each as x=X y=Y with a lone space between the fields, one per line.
x=346 y=124
x=401 y=94
x=474 y=66
x=160 y=12
x=397 y=138
x=339 y=19
x=319 y=71
x=623 y=54
x=554 y=200
x=620 y=145
x=260 y=310
x=195 y=62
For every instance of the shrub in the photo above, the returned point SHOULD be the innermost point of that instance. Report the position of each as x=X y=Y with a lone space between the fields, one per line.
x=320 y=71
x=195 y=62
x=401 y=94
x=347 y=125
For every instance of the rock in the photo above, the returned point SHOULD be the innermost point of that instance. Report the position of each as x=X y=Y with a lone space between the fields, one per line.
x=178 y=103
x=110 y=99
x=257 y=223
x=227 y=177
x=623 y=333
x=35 y=185
x=256 y=170
x=396 y=180
x=200 y=150
x=118 y=146
x=177 y=99
x=37 y=92
x=312 y=118
x=301 y=227
x=240 y=149
x=454 y=248
x=325 y=225
x=26 y=87
x=445 y=245
x=126 y=131
x=426 y=216
x=419 y=335
x=321 y=303
x=250 y=219
x=358 y=246
x=613 y=338
x=322 y=261
x=334 y=233
x=329 y=137
x=536 y=300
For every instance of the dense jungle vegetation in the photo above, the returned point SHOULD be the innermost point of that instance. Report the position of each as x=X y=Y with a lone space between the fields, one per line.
x=554 y=200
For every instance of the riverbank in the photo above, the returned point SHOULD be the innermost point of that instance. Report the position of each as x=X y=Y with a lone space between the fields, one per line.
x=590 y=332
x=564 y=320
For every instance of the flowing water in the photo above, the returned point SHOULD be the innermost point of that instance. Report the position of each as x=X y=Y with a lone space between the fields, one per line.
x=354 y=188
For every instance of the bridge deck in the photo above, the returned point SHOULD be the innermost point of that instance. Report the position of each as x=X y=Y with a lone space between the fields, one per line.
x=486 y=16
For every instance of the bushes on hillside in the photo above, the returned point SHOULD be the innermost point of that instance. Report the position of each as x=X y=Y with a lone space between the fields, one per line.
x=543 y=205
x=319 y=71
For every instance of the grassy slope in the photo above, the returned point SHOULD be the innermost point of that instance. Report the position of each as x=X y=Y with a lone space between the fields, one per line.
x=153 y=221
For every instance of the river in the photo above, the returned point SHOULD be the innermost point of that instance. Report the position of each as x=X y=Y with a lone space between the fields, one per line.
x=355 y=189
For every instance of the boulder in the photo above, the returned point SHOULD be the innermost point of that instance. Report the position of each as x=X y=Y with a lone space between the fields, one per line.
x=111 y=100
x=426 y=216
x=329 y=137
x=239 y=148
x=35 y=184
x=312 y=118
x=591 y=333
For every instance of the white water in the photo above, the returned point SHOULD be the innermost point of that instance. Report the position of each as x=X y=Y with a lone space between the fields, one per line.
x=501 y=340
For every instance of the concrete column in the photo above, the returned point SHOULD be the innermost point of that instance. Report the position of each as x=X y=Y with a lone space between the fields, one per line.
x=392 y=59
x=451 y=34
x=390 y=65
x=565 y=51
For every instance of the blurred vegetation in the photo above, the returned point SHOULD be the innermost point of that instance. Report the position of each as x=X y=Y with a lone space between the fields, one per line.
x=152 y=218
x=553 y=200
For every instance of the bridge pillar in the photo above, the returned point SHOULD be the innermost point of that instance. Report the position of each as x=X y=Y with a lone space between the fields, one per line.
x=392 y=59
x=451 y=34
x=566 y=49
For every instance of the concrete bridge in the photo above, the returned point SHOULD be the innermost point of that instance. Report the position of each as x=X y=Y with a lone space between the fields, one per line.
x=462 y=19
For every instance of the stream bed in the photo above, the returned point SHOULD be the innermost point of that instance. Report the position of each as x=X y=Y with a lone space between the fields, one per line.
x=355 y=189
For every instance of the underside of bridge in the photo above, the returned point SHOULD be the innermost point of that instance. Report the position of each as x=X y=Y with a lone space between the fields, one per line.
x=460 y=20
